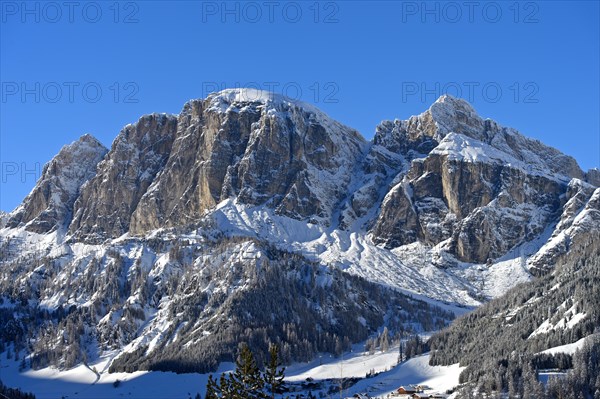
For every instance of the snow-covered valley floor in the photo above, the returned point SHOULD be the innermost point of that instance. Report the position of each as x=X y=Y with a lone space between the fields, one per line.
x=83 y=383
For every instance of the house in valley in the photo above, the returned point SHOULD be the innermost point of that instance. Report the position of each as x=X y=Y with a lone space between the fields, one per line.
x=408 y=390
x=421 y=395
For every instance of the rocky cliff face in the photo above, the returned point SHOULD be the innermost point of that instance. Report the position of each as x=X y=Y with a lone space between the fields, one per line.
x=479 y=189
x=49 y=206
x=259 y=148
x=104 y=208
x=578 y=222
x=3 y=218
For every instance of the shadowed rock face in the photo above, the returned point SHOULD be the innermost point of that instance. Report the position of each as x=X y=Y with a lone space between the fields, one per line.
x=106 y=202
x=49 y=206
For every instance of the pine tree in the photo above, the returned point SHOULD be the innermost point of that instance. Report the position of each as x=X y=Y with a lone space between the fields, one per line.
x=246 y=381
x=274 y=373
x=400 y=352
x=226 y=388
x=212 y=388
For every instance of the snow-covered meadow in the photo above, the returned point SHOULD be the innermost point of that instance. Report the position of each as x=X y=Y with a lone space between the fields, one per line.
x=94 y=381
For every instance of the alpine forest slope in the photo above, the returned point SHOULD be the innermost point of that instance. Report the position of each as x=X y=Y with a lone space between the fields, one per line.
x=505 y=343
x=251 y=217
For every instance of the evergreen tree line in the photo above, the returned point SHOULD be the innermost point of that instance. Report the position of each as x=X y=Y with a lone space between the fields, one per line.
x=409 y=344
x=581 y=381
x=13 y=393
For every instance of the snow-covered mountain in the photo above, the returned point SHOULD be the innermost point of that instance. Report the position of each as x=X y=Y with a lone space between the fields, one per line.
x=163 y=247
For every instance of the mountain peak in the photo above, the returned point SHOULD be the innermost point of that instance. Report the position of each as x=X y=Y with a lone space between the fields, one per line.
x=450 y=103
x=85 y=144
x=223 y=99
x=50 y=203
x=454 y=114
x=593 y=177
x=246 y=94
x=423 y=132
x=88 y=138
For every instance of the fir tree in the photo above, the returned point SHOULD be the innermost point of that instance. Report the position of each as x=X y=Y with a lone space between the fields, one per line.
x=246 y=381
x=226 y=389
x=274 y=373
x=212 y=388
x=385 y=340
x=401 y=351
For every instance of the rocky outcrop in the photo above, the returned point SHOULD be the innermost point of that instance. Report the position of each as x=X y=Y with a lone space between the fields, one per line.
x=3 y=218
x=257 y=147
x=49 y=206
x=395 y=144
x=578 y=221
x=481 y=209
x=593 y=177
x=104 y=208
x=206 y=144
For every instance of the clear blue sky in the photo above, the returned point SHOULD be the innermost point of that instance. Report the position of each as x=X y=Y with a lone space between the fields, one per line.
x=361 y=62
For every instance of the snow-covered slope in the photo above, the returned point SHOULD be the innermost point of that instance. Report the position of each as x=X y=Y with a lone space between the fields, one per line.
x=93 y=381
x=568 y=349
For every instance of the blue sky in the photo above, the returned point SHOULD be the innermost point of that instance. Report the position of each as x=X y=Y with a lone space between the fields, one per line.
x=92 y=67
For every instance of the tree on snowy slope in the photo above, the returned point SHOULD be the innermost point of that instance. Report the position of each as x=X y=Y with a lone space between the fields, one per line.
x=13 y=393
x=247 y=382
x=274 y=373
